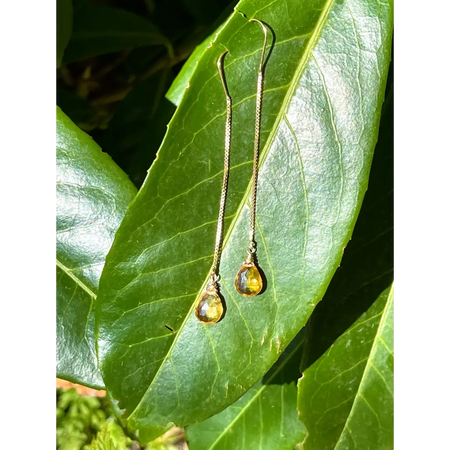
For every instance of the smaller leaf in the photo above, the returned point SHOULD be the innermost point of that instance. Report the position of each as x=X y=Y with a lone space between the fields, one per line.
x=75 y=353
x=99 y=29
x=64 y=14
x=92 y=197
x=345 y=398
x=110 y=437
x=265 y=417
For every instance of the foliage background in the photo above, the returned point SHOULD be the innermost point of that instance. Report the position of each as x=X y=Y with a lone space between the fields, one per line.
x=119 y=97
x=113 y=82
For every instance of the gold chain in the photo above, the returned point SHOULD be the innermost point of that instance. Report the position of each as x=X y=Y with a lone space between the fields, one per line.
x=259 y=95
x=226 y=172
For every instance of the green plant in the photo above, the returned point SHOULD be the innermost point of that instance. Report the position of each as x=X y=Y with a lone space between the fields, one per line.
x=131 y=264
x=83 y=420
x=110 y=436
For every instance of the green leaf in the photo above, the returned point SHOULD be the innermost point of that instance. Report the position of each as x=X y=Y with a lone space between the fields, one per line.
x=144 y=435
x=100 y=29
x=346 y=397
x=265 y=417
x=92 y=197
x=64 y=13
x=346 y=363
x=110 y=437
x=324 y=90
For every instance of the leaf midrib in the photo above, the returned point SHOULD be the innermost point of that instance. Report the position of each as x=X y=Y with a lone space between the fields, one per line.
x=372 y=351
x=300 y=69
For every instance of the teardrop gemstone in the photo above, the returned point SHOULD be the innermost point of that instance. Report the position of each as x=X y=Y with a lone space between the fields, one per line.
x=248 y=280
x=210 y=308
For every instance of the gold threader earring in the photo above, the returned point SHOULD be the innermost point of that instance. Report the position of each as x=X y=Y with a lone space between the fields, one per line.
x=210 y=306
x=248 y=280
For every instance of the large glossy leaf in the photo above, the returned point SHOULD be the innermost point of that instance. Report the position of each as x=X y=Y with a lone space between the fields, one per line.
x=64 y=14
x=348 y=387
x=264 y=417
x=100 y=29
x=324 y=90
x=92 y=197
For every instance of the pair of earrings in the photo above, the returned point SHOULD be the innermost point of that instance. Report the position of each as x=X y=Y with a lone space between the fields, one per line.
x=248 y=282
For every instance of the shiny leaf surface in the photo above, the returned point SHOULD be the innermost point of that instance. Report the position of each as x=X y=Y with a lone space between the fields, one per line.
x=92 y=197
x=324 y=89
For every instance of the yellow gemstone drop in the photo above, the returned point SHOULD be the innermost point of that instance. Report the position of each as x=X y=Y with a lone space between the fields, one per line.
x=210 y=308
x=248 y=280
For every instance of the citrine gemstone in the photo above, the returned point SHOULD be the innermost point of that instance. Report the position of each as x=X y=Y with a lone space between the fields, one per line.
x=210 y=308
x=248 y=280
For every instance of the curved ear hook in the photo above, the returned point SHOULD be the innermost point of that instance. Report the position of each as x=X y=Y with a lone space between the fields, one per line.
x=221 y=72
x=263 y=54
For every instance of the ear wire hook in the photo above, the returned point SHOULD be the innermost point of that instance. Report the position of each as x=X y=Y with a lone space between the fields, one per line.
x=263 y=53
x=220 y=62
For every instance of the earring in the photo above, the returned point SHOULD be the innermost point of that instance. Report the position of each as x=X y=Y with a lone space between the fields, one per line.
x=248 y=280
x=210 y=306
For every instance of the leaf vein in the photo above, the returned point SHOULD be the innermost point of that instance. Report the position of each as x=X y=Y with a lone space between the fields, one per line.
x=336 y=136
x=67 y=271
x=305 y=190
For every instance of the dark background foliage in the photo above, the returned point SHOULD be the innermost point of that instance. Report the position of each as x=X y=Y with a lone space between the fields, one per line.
x=119 y=97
